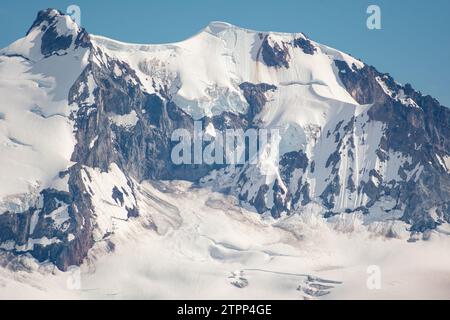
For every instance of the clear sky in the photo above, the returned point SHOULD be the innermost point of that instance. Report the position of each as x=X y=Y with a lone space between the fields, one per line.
x=413 y=44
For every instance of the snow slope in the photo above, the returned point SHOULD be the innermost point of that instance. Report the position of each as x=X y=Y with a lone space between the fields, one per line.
x=198 y=244
x=36 y=134
x=35 y=131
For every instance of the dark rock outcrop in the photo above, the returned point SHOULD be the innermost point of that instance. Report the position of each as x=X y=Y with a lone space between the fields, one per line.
x=276 y=54
x=416 y=126
x=306 y=45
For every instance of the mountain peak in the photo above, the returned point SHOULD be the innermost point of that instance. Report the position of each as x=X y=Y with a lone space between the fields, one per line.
x=47 y=16
x=52 y=32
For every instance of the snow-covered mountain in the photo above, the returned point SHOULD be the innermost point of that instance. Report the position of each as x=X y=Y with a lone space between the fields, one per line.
x=86 y=121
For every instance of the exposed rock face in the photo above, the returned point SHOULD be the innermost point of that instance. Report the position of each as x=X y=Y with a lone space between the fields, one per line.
x=305 y=45
x=56 y=35
x=414 y=130
x=373 y=146
x=275 y=54
x=57 y=228
x=255 y=96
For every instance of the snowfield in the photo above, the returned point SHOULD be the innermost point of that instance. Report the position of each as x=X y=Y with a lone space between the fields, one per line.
x=192 y=243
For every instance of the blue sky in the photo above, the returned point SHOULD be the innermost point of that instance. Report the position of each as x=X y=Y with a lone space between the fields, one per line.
x=413 y=44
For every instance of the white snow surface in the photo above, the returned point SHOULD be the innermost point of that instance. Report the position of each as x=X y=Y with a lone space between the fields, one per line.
x=192 y=243
x=36 y=135
x=107 y=209
x=127 y=121
x=445 y=162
